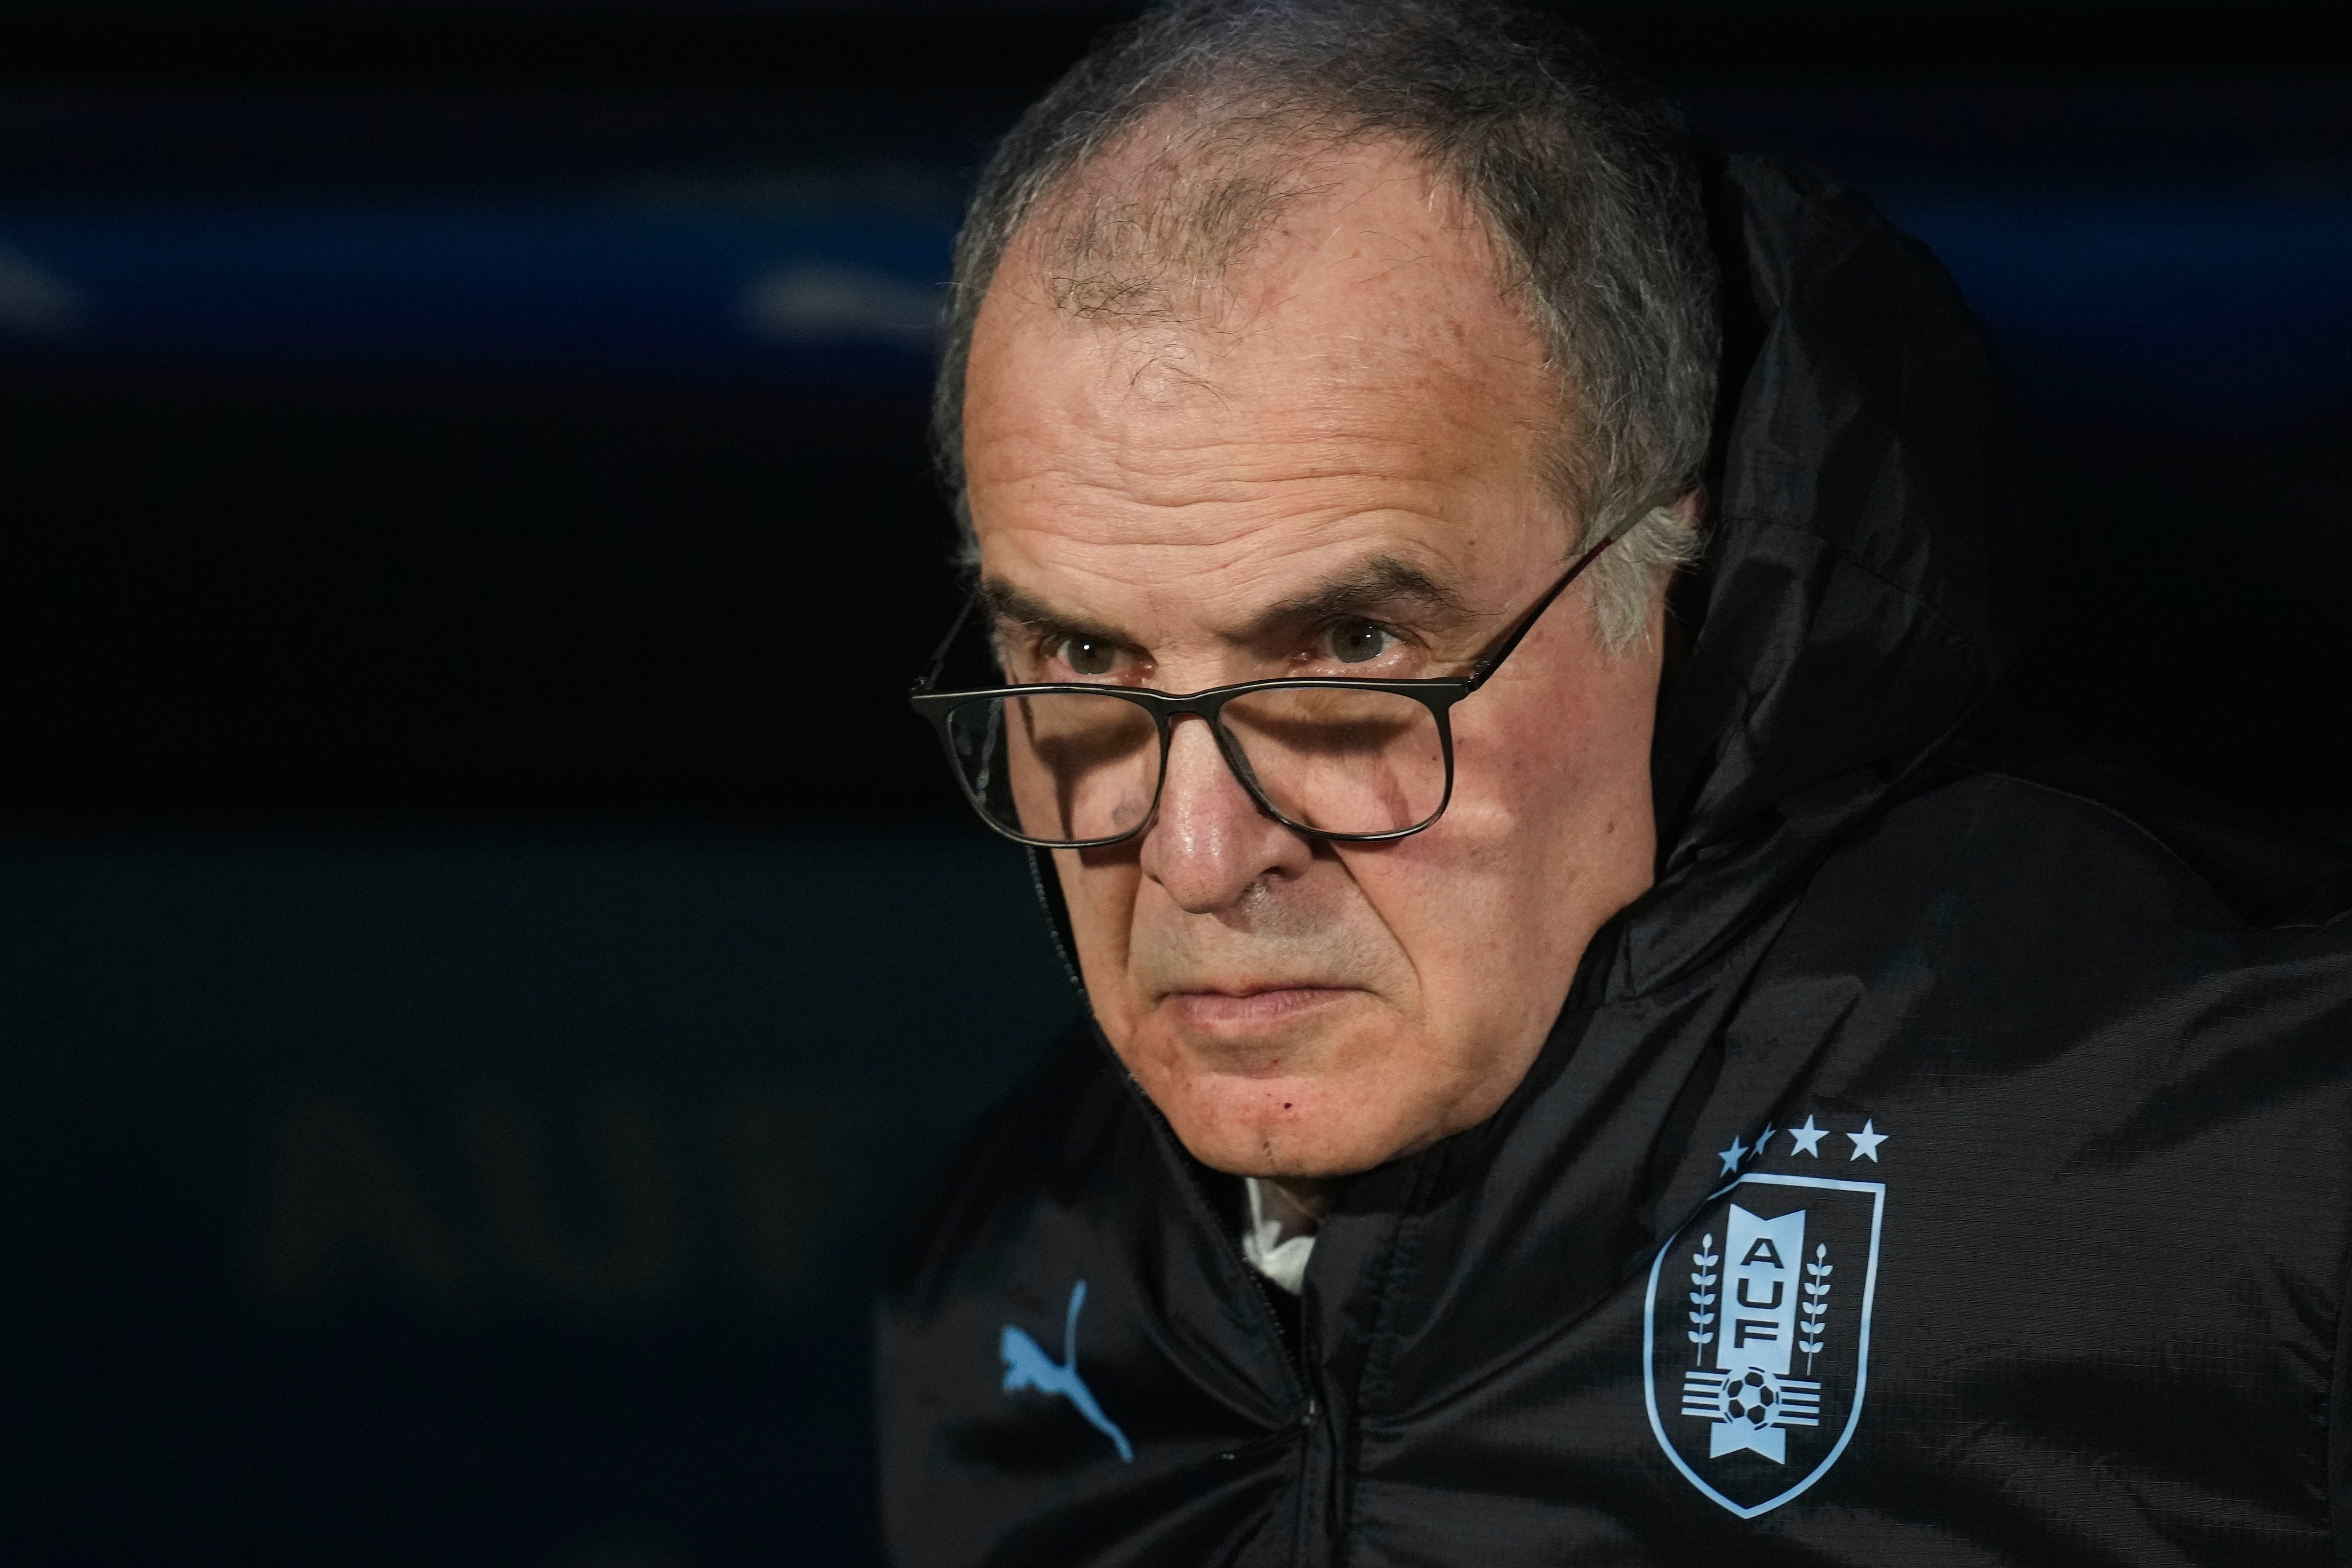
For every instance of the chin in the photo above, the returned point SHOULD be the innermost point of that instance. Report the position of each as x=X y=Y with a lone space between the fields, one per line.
x=1289 y=1124
x=1285 y=1084
x=1298 y=1143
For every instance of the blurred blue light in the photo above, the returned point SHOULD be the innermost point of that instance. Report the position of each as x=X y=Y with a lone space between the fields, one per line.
x=831 y=302
x=2223 y=309
x=2229 y=309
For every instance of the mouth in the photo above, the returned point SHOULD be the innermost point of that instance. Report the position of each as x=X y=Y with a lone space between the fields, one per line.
x=1250 y=1010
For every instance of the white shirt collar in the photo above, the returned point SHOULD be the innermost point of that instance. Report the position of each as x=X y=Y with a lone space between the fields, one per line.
x=1282 y=1261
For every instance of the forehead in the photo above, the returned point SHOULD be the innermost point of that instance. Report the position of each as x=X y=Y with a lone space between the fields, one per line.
x=1356 y=370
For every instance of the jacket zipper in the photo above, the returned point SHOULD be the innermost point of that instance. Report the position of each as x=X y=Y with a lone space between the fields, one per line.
x=1296 y=1356
x=1292 y=1355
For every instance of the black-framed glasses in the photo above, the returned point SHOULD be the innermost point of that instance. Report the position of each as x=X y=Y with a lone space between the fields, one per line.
x=1077 y=766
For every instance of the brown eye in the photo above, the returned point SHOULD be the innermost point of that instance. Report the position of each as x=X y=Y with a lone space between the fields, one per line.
x=1087 y=657
x=1359 y=642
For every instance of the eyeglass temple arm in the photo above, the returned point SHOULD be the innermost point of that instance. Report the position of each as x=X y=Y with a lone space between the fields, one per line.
x=930 y=676
x=1500 y=651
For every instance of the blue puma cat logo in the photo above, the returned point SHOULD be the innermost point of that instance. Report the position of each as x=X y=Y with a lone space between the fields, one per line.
x=1025 y=1366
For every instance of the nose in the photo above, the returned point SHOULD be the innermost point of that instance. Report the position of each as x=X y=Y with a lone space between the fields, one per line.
x=1210 y=843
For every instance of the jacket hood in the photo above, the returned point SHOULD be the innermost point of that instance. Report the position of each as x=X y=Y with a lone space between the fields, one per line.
x=1849 y=614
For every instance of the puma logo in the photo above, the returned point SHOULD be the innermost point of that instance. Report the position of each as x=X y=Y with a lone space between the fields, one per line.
x=1026 y=1366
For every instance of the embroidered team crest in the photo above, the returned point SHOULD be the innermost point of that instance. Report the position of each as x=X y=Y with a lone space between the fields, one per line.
x=1755 y=1336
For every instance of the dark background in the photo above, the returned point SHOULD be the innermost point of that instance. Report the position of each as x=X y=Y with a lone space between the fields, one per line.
x=484 y=953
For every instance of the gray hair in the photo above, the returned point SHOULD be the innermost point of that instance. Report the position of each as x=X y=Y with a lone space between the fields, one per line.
x=1581 y=175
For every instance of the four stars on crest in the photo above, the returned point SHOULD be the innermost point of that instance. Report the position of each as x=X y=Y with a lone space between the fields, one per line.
x=1805 y=1140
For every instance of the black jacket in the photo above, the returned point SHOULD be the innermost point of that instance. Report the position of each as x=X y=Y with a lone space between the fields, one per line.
x=1936 y=1166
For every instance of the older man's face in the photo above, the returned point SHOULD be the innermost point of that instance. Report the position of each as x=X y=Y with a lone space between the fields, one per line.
x=1334 y=469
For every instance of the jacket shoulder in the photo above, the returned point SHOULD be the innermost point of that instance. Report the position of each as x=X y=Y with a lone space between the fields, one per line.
x=2013 y=920
x=2148 y=854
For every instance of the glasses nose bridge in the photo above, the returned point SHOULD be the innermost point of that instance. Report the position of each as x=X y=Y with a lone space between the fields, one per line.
x=1212 y=717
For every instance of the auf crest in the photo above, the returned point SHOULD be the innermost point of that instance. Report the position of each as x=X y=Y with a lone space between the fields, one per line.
x=1755 y=1372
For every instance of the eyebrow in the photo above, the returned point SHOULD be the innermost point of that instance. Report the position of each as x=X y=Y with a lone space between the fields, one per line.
x=1384 y=586
x=1008 y=602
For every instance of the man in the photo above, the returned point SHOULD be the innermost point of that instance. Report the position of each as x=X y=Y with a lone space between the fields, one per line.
x=1582 y=1066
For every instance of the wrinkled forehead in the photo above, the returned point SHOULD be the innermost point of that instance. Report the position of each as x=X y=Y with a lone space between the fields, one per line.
x=1161 y=439
x=1359 y=325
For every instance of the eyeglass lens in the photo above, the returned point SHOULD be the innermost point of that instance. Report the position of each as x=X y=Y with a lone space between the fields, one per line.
x=1073 y=767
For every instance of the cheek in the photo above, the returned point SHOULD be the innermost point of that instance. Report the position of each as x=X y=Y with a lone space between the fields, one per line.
x=1474 y=902
x=1557 y=744
x=1520 y=767
x=1450 y=902
x=1100 y=890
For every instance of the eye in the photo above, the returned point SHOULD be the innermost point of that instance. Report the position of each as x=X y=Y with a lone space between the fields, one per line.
x=1358 y=642
x=1086 y=657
